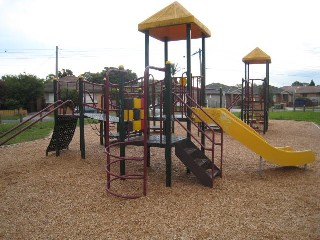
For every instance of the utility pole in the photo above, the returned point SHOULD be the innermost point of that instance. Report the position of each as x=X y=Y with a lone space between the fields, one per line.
x=57 y=61
x=199 y=52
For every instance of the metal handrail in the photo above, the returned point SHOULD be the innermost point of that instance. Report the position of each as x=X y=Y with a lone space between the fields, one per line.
x=33 y=123
x=212 y=140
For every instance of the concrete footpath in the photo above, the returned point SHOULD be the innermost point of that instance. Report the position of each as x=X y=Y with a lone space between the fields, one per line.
x=47 y=118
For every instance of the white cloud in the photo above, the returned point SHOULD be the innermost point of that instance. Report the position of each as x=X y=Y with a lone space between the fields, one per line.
x=286 y=31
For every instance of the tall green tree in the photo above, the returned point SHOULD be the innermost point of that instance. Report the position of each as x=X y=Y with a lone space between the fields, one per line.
x=61 y=74
x=22 y=91
x=69 y=94
x=116 y=76
x=50 y=76
x=297 y=83
x=3 y=94
x=312 y=83
x=94 y=77
x=64 y=73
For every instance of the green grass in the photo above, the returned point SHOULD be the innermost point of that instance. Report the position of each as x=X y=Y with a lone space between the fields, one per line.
x=37 y=131
x=296 y=116
x=5 y=117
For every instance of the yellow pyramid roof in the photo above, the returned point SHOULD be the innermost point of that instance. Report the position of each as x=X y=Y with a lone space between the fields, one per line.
x=170 y=23
x=256 y=56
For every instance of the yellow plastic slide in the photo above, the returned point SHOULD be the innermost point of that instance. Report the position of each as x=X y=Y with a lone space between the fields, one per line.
x=284 y=156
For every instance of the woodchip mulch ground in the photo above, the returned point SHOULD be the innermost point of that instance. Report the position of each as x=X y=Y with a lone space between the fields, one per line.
x=49 y=197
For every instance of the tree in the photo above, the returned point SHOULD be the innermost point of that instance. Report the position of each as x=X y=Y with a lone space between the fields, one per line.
x=312 y=83
x=64 y=73
x=67 y=94
x=3 y=93
x=94 y=77
x=22 y=91
x=116 y=76
x=175 y=69
x=297 y=83
x=61 y=74
x=50 y=76
x=113 y=76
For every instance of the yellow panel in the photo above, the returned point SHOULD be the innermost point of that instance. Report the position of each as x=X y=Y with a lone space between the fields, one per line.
x=136 y=103
x=141 y=114
x=137 y=125
x=128 y=115
x=183 y=81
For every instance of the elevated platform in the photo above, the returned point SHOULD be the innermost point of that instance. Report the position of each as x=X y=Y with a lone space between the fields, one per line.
x=99 y=117
x=178 y=115
x=157 y=140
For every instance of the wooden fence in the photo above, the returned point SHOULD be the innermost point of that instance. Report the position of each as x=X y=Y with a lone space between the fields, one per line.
x=15 y=112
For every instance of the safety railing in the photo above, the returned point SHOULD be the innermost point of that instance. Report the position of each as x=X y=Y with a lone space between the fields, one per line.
x=34 y=122
x=211 y=138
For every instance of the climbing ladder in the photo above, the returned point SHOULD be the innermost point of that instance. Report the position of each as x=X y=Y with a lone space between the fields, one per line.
x=63 y=132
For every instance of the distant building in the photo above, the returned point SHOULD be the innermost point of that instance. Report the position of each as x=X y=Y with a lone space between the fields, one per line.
x=295 y=92
x=92 y=96
x=284 y=96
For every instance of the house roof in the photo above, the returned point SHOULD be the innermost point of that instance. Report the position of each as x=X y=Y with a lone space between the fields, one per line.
x=214 y=88
x=302 y=89
x=69 y=81
x=170 y=24
x=256 y=56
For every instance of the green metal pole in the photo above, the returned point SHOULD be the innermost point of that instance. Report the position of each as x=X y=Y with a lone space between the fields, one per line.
x=166 y=56
x=167 y=111
x=203 y=86
x=122 y=126
x=242 y=99
x=267 y=99
x=105 y=110
x=220 y=94
x=146 y=48
x=146 y=60
x=203 y=72
x=81 y=119
x=189 y=87
x=55 y=99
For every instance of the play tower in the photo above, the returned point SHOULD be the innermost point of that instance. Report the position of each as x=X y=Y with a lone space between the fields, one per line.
x=148 y=110
x=255 y=100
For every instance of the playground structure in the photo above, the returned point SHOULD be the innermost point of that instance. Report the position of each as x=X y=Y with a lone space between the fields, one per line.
x=255 y=106
x=146 y=111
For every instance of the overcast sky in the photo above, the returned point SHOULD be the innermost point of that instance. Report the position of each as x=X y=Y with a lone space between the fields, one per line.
x=95 y=34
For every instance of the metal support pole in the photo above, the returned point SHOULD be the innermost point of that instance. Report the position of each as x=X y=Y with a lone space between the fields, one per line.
x=220 y=94
x=203 y=85
x=166 y=55
x=81 y=119
x=267 y=97
x=146 y=48
x=203 y=71
x=122 y=126
x=189 y=84
x=167 y=110
x=55 y=99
